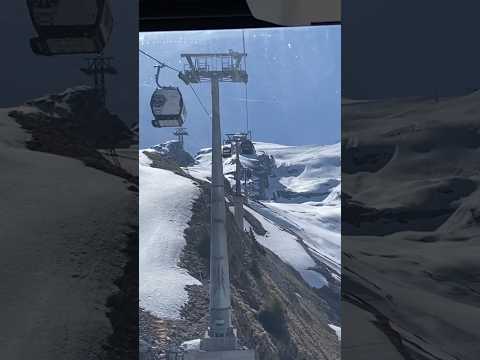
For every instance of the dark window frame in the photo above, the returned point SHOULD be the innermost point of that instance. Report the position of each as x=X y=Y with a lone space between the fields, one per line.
x=176 y=15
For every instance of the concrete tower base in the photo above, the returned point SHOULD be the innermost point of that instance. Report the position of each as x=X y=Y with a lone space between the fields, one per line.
x=219 y=355
x=219 y=343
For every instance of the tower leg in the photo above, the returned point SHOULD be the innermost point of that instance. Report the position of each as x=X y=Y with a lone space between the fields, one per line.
x=238 y=199
x=220 y=307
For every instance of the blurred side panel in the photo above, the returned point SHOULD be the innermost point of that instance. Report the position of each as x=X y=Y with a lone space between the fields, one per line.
x=410 y=174
x=69 y=193
x=297 y=12
x=198 y=15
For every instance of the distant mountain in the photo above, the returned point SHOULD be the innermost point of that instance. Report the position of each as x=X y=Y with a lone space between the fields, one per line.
x=298 y=186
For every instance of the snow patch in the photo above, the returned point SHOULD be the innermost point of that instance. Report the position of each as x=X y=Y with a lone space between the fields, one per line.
x=337 y=329
x=191 y=345
x=165 y=209
x=318 y=226
x=287 y=247
x=143 y=159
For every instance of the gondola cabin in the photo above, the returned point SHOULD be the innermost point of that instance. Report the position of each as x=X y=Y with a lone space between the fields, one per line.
x=167 y=107
x=246 y=147
x=227 y=150
x=70 y=26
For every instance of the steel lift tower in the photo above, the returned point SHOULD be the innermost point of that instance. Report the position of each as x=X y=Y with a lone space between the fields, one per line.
x=98 y=67
x=220 y=341
x=237 y=197
x=180 y=133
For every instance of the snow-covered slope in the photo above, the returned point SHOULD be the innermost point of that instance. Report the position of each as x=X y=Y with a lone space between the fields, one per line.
x=289 y=249
x=297 y=173
x=307 y=171
x=295 y=193
x=413 y=184
x=317 y=225
x=165 y=209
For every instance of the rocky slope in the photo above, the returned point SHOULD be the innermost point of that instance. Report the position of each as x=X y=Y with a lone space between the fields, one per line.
x=173 y=150
x=75 y=124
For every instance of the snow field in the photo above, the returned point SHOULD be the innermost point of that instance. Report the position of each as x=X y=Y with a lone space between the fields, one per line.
x=165 y=209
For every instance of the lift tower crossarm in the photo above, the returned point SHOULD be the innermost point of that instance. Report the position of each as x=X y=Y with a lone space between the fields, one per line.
x=180 y=133
x=226 y=67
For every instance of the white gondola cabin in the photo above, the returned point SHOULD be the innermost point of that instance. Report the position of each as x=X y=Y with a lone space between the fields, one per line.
x=246 y=147
x=227 y=150
x=70 y=26
x=167 y=107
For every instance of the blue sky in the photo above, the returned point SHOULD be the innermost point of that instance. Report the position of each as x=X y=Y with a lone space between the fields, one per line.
x=293 y=88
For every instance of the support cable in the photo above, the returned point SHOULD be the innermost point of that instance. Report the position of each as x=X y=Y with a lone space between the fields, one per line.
x=200 y=101
x=246 y=84
x=158 y=61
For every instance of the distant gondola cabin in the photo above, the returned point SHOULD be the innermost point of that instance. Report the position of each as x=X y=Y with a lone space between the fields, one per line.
x=247 y=148
x=227 y=150
x=167 y=107
x=70 y=26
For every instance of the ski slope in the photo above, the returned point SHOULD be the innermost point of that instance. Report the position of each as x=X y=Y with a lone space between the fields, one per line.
x=165 y=209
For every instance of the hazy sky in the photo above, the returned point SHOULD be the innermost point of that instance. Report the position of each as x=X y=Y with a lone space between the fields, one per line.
x=293 y=88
